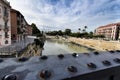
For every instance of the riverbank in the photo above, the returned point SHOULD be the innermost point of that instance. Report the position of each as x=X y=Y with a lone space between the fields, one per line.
x=99 y=45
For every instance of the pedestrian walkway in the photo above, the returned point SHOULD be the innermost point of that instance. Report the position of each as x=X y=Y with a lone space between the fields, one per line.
x=15 y=47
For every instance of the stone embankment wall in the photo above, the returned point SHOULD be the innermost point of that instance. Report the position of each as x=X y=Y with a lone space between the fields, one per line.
x=97 y=44
x=32 y=50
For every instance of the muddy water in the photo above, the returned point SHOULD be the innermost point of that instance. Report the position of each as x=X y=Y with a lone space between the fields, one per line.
x=54 y=47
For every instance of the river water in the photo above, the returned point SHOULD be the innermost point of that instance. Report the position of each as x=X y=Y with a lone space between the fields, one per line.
x=55 y=47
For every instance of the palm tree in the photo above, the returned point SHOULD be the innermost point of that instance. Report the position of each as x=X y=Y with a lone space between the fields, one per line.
x=83 y=30
x=85 y=27
x=79 y=29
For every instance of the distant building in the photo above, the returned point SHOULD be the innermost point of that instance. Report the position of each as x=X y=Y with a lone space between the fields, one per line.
x=5 y=25
x=110 y=31
x=18 y=26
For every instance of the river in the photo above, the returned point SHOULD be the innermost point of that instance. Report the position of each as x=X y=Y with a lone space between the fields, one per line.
x=55 y=47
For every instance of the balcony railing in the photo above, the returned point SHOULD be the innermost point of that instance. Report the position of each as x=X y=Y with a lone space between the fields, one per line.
x=1 y=26
x=6 y=2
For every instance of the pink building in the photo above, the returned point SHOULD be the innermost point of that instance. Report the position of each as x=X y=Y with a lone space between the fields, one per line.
x=110 y=31
x=5 y=25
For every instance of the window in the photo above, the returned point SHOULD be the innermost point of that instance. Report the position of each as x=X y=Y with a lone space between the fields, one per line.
x=18 y=22
x=6 y=35
x=5 y=24
x=111 y=77
x=0 y=36
x=14 y=35
x=0 y=9
x=5 y=12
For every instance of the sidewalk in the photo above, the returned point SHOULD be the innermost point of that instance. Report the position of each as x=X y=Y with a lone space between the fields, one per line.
x=16 y=47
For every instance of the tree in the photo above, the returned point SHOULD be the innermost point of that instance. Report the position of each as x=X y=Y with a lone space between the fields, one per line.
x=60 y=33
x=91 y=33
x=85 y=27
x=35 y=30
x=99 y=36
x=67 y=31
x=79 y=29
x=83 y=30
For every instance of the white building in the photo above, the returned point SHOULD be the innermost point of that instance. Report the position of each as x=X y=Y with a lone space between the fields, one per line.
x=5 y=23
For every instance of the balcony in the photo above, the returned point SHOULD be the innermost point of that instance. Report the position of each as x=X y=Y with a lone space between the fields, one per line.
x=19 y=31
x=6 y=29
x=1 y=26
x=6 y=13
x=18 y=18
x=18 y=22
x=6 y=2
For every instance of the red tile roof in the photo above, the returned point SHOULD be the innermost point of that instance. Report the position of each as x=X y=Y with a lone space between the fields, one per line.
x=108 y=25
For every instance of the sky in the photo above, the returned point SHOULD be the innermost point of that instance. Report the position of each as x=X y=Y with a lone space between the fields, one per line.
x=73 y=14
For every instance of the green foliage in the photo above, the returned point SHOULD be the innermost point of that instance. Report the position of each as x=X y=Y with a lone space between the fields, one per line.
x=52 y=33
x=39 y=34
x=99 y=36
x=38 y=42
x=35 y=30
x=75 y=34
x=67 y=31
x=91 y=33
x=81 y=35
x=60 y=33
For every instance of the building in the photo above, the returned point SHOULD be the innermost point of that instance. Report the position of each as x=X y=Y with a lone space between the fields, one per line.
x=29 y=29
x=5 y=25
x=18 y=26
x=110 y=31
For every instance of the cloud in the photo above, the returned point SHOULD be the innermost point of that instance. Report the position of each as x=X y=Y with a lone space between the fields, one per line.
x=74 y=14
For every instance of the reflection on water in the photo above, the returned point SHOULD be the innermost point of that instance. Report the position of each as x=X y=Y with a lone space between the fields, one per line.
x=54 y=47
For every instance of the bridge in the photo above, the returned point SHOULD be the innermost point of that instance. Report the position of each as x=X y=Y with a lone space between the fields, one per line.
x=75 y=66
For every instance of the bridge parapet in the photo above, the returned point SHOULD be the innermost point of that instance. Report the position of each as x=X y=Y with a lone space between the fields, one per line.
x=87 y=66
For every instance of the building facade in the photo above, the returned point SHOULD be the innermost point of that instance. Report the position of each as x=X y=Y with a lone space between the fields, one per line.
x=110 y=31
x=18 y=26
x=5 y=25
x=29 y=30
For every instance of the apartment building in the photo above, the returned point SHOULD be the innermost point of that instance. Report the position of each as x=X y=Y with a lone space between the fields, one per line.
x=18 y=26
x=29 y=30
x=5 y=24
x=110 y=31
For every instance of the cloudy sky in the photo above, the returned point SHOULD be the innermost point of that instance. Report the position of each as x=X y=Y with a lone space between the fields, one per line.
x=73 y=14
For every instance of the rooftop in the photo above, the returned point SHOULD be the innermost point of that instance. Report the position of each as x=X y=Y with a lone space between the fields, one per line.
x=110 y=25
